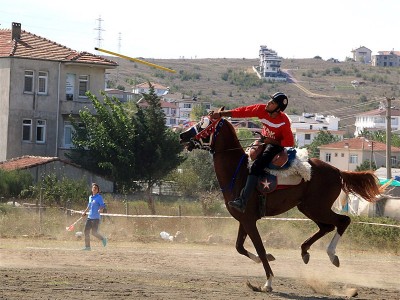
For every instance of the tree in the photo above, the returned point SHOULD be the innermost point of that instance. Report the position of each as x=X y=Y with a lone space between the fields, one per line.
x=380 y=136
x=322 y=138
x=366 y=165
x=159 y=151
x=197 y=174
x=197 y=112
x=105 y=144
x=126 y=147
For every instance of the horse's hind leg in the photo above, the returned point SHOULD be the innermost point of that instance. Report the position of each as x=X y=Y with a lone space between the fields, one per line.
x=344 y=222
x=323 y=230
x=241 y=237
x=326 y=224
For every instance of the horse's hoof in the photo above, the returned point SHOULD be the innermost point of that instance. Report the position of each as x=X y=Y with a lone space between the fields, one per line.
x=335 y=261
x=306 y=258
x=270 y=257
x=266 y=289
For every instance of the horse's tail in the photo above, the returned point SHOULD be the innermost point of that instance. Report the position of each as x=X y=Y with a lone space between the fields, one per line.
x=363 y=183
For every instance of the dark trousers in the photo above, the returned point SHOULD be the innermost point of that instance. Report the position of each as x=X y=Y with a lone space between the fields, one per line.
x=92 y=224
x=264 y=159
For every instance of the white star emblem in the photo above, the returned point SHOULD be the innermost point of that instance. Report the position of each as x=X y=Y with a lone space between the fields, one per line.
x=266 y=184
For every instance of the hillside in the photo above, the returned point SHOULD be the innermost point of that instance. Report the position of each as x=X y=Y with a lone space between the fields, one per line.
x=317 y=85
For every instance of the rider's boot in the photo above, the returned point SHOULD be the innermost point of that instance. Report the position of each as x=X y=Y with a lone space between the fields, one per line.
x=240 y=203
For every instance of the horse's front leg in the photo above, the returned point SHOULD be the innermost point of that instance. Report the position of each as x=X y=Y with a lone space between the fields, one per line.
x=241 y=237
x=252 y=231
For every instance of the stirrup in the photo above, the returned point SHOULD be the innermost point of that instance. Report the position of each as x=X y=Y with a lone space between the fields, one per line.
x=237 y=204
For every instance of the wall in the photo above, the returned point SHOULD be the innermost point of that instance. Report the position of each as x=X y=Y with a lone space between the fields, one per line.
x=4 y=106
x=62 y=169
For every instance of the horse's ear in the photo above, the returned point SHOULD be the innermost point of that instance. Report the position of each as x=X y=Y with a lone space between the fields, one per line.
x=221 y=109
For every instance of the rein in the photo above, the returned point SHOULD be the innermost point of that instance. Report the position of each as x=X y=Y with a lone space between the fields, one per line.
x=232 y=183
x=212 y=131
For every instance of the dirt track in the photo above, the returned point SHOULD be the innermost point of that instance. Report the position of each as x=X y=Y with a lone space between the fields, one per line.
x=48 y=269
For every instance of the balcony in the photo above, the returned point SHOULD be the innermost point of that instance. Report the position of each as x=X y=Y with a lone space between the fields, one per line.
x=73 y=107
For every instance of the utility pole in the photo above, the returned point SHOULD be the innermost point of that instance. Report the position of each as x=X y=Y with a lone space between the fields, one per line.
x=99 y=29
x=372 y=155
x=388 y=138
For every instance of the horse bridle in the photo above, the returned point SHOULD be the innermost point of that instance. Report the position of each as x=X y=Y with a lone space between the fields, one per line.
x=211 y=132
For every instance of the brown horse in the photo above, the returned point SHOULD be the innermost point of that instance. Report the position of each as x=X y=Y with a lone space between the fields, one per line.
x=314 y=198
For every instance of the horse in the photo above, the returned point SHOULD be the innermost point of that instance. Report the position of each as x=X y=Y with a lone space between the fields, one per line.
x=314 y=198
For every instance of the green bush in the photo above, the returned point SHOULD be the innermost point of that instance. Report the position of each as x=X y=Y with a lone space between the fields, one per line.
x=13 y=182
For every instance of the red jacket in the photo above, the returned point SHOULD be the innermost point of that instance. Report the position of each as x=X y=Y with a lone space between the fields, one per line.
x=276 y=128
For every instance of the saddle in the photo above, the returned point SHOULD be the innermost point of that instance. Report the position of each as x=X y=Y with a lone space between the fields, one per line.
x=285 y=170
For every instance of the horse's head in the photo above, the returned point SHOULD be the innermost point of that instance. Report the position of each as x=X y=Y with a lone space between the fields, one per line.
x=199 y=135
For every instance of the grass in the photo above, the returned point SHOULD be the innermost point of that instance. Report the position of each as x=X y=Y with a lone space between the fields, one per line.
x=52 y=223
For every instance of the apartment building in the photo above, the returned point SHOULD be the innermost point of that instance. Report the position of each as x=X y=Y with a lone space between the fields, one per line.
x=307 y=126
x=386 y=59
x=42 y=84
x=270 y=65
x=183 y=105
x=375 y=120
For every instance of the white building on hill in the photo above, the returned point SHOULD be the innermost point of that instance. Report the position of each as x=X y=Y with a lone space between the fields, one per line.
x=307 y=126
x=270 y=65
x=375 y=120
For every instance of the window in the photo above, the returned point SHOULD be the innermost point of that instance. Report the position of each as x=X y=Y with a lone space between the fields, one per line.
x=68 y=134
x=83 y=85
x=307 y=136
x=27 y=130
x=42 y=83
x=187 y=105
x=68 y=131
x=328 y=157
x=40 y=131
x=28 y=84
x=393 y=160
x=70 y=87
x=353 y=159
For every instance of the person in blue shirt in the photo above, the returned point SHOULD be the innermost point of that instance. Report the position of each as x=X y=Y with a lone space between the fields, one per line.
x=95 y=207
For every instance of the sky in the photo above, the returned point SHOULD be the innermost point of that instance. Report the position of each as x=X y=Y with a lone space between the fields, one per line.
x=172 y=29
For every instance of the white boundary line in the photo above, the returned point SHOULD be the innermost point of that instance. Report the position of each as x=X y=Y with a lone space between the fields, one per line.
x=205 y=217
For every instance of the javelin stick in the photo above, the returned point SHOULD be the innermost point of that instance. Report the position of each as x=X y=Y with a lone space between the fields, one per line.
x=136 y=60
x=72 y=226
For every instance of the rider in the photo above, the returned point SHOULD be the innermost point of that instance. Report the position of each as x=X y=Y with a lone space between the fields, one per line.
x=277 y=134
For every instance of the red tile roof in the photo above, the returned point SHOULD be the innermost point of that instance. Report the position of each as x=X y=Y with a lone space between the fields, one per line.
x=36 y=47
x=389 y=52
x=358 y=144
x=25 y=162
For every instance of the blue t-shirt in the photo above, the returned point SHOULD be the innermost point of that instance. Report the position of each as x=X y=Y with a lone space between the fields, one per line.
x=95 y=203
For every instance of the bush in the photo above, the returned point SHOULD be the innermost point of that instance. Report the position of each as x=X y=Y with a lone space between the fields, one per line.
x=12 y=183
